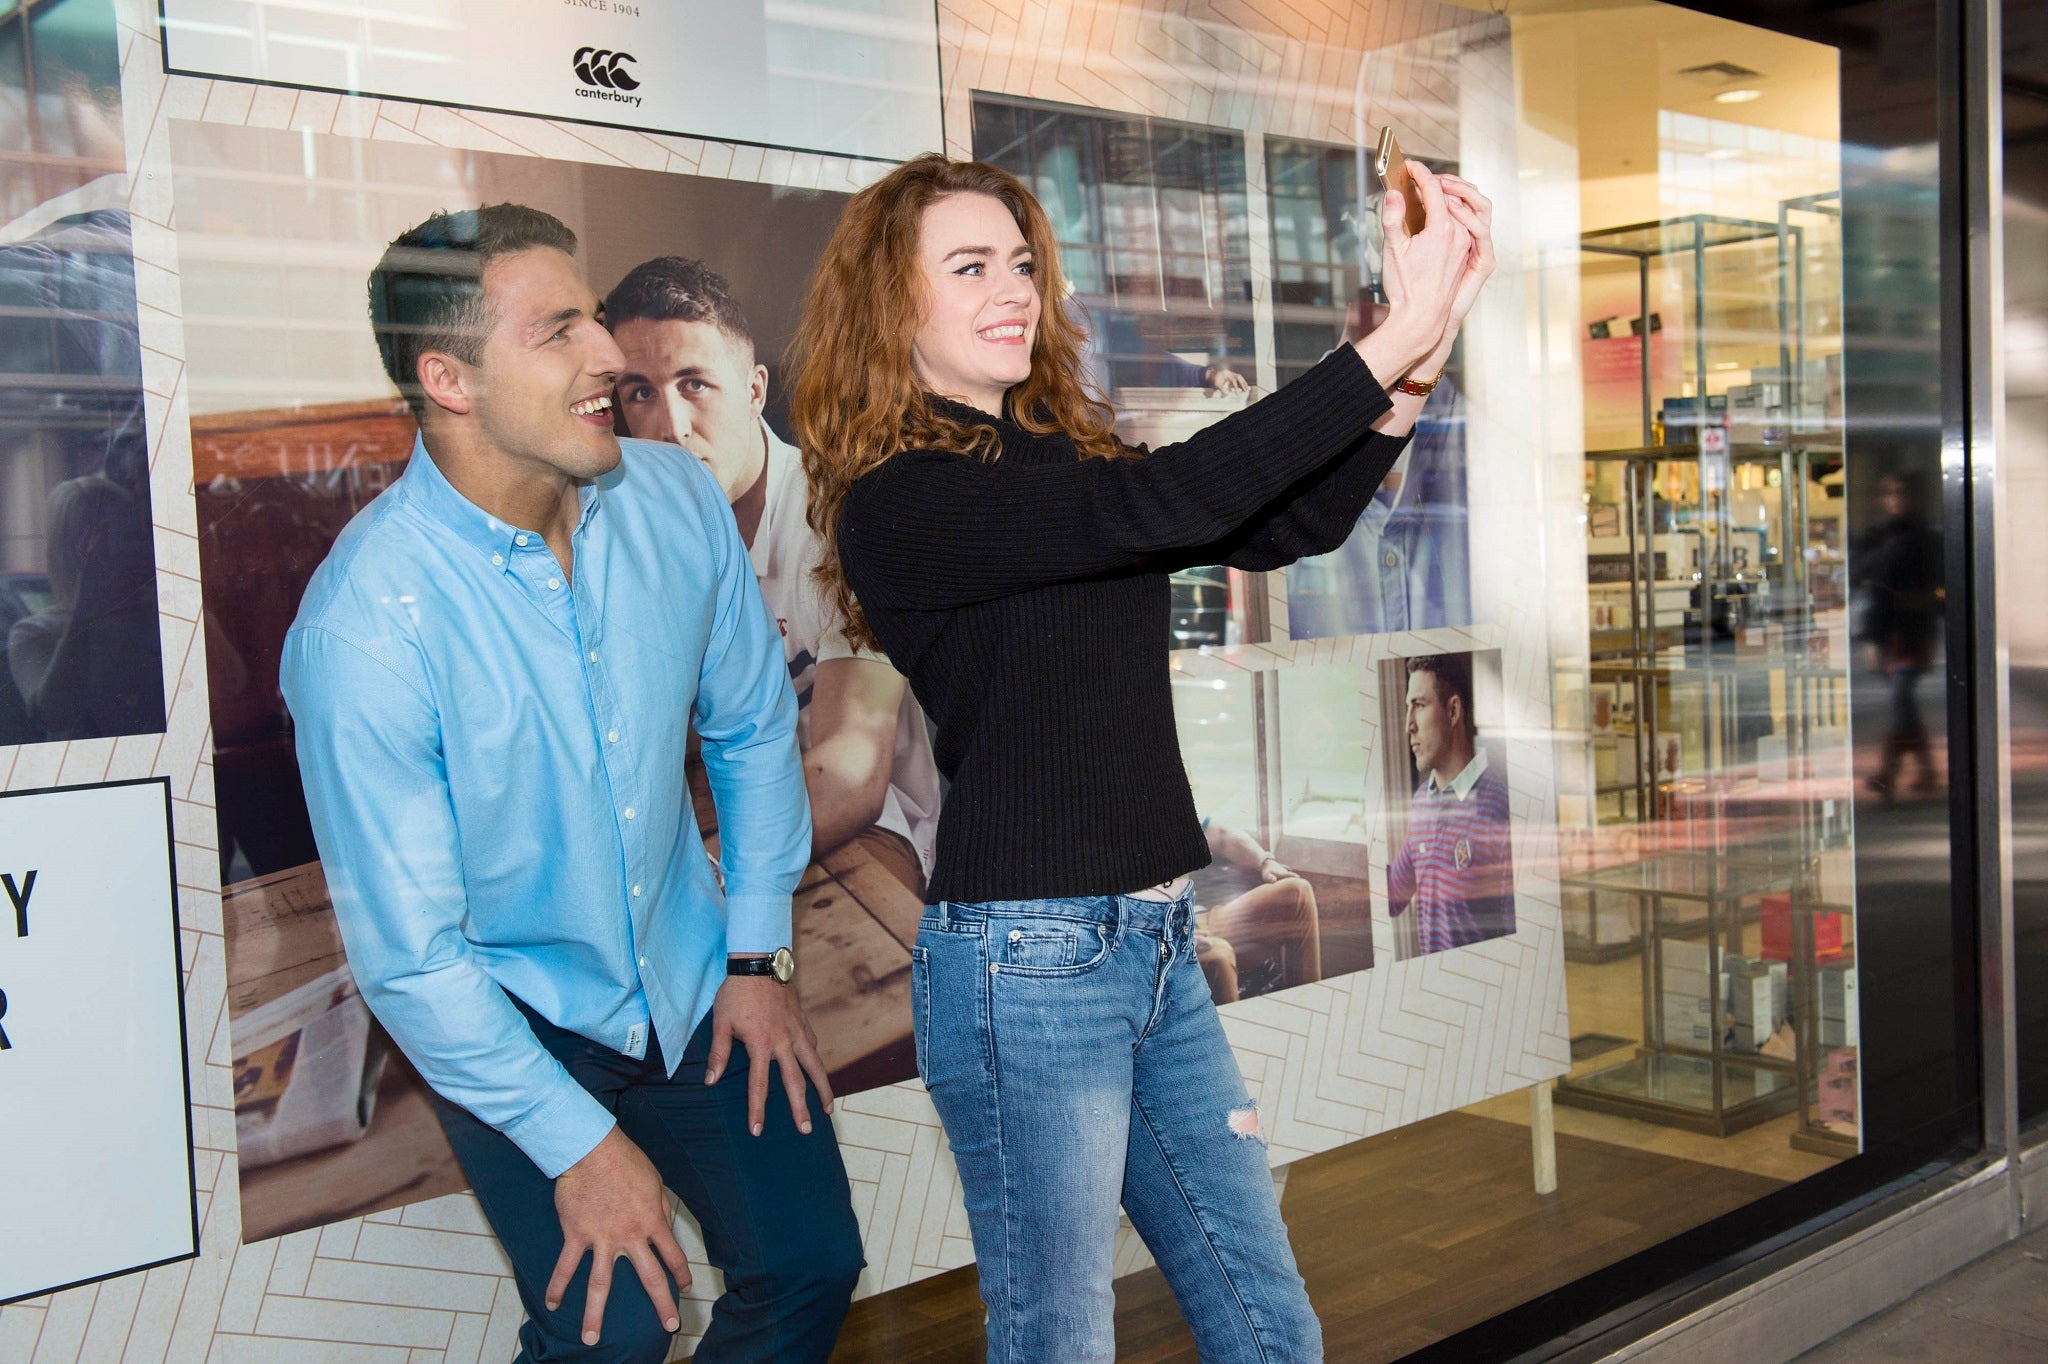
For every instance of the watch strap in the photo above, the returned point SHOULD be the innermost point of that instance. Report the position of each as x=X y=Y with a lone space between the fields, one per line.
x=778 y=965
x=1420 y=388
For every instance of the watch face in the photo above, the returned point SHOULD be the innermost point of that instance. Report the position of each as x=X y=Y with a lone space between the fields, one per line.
x=784 y=962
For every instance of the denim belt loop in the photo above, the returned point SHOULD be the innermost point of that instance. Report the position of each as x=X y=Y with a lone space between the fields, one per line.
x=1119 y=921
x=944 y=910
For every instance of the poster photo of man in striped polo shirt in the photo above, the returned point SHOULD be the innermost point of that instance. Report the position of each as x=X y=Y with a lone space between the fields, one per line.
x=1453 y=870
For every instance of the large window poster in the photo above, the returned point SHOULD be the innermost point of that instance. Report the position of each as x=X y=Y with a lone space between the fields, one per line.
x=1170 y=194
x=78 y=593
x=295 y=429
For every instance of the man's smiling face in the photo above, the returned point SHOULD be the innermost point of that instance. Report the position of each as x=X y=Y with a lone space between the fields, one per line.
x=543 y=381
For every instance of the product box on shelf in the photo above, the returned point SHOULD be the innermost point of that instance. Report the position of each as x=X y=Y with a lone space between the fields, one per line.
x=1685 y=955
x=1750 y=1001
x=1756 y=410
x=1682 y=984
x=1835 y=877
x=1680 y=417
x=1699 y=1035
x=1838 y=1008
x=1835 y=1093
x=1689 y=1008
x=1776 y=923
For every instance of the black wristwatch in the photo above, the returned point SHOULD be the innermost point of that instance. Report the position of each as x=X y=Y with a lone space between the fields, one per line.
x=782 y=965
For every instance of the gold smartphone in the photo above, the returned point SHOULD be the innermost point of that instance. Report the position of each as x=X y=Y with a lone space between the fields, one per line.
x=1392 y=169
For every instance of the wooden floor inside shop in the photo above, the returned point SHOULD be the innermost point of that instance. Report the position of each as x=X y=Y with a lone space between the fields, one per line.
x=1409 y=1236
x=1403 y=1239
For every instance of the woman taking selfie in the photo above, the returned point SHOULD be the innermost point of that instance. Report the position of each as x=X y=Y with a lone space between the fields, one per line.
x=986 y=528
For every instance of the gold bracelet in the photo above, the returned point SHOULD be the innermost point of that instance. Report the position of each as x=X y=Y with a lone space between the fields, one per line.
x=1420 y=388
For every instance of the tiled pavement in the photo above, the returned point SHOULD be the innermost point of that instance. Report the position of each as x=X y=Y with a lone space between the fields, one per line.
x=1990 y=1312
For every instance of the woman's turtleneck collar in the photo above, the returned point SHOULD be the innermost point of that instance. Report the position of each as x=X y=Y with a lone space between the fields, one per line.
x=968 y=412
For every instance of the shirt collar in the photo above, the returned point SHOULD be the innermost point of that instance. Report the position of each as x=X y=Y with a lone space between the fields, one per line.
x=428 y=489
x=1462 y=784
x=781 y=464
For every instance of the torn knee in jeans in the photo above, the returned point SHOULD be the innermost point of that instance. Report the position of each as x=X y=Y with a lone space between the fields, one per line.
x=1244 y=1124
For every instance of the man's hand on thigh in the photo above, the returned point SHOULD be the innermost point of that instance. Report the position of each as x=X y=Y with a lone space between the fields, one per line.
x=764 y=1015
x=611 y=1206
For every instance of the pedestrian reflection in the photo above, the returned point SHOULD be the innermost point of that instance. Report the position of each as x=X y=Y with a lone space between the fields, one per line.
x=76 y=663
x=1896 y=563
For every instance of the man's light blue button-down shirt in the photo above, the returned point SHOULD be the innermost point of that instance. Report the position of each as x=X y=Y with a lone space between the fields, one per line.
x=492 y=750
x=1407 y=564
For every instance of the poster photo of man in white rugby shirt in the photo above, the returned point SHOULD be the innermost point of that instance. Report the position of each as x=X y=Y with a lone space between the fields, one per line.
x=692 y=378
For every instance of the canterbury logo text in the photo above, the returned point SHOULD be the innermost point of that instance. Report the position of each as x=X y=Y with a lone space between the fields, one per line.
x=602 y=66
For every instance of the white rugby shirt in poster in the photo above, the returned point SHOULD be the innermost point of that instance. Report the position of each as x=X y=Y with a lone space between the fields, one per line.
x=784 y=552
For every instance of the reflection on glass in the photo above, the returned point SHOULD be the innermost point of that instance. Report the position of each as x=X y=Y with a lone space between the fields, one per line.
x=78 y=606
x=1151 y=221
x=2023 y=577
x=1713 y=872
x=1275 y=763
x=1322 y=738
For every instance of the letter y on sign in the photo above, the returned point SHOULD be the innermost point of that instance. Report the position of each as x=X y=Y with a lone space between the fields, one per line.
x=19 y=895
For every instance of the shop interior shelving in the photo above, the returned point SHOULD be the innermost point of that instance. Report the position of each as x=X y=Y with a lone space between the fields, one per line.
x=1715 y=688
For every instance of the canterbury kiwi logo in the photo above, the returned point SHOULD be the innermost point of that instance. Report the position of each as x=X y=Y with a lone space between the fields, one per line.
x=603 y=67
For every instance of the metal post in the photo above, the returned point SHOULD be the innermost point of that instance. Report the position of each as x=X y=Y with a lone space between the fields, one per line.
x=1711 y=567
x=1643 y=321
x=1972 y=467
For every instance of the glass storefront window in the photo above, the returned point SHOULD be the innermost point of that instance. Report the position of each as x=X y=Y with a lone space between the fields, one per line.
x=1597 y=771
x=2022 y=555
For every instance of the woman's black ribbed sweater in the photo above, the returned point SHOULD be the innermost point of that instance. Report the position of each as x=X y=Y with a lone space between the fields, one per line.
x=1026 y=599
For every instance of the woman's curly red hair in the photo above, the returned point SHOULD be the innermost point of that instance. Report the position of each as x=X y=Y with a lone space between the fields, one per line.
x=856 y=400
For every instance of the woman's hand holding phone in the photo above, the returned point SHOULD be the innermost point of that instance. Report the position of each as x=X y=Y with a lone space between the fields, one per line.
x=1474 y=210
x=1427 y=275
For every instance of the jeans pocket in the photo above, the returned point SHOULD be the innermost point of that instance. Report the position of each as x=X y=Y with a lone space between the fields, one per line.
x=921 y=1010
x=1038 y=947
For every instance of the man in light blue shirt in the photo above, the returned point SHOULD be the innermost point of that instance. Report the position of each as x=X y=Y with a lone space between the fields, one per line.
x=493 y=677
x=1407 y=564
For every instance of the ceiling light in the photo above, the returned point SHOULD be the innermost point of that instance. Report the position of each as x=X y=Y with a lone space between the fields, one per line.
x=1742 y=96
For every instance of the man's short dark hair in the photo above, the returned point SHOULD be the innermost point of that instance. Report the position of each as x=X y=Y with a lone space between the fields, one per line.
x=427 y=291
x=1453 y=674
x=677 y=289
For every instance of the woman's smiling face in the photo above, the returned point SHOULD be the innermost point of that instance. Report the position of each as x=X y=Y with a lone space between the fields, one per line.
x=981 y=302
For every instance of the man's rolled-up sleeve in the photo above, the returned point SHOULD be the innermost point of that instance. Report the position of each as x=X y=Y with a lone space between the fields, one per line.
x=376 y=785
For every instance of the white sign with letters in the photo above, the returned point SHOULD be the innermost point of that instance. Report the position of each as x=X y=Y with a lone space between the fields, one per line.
x=94 y=1105
x=849 y=77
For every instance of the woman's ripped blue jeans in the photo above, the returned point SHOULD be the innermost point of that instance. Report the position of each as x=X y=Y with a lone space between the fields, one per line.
x=1078 y=1063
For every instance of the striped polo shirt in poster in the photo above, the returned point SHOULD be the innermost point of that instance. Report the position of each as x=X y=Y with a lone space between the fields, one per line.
x=1455 y=870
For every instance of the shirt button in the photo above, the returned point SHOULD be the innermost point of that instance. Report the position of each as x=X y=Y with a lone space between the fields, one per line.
x=519 y=539
x=554 y=584
x=630 y=812
x=1391 y=559
x=498 y=559
x=636 y=895
x=614 y=737
x=643 y=963
x=593 y=655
